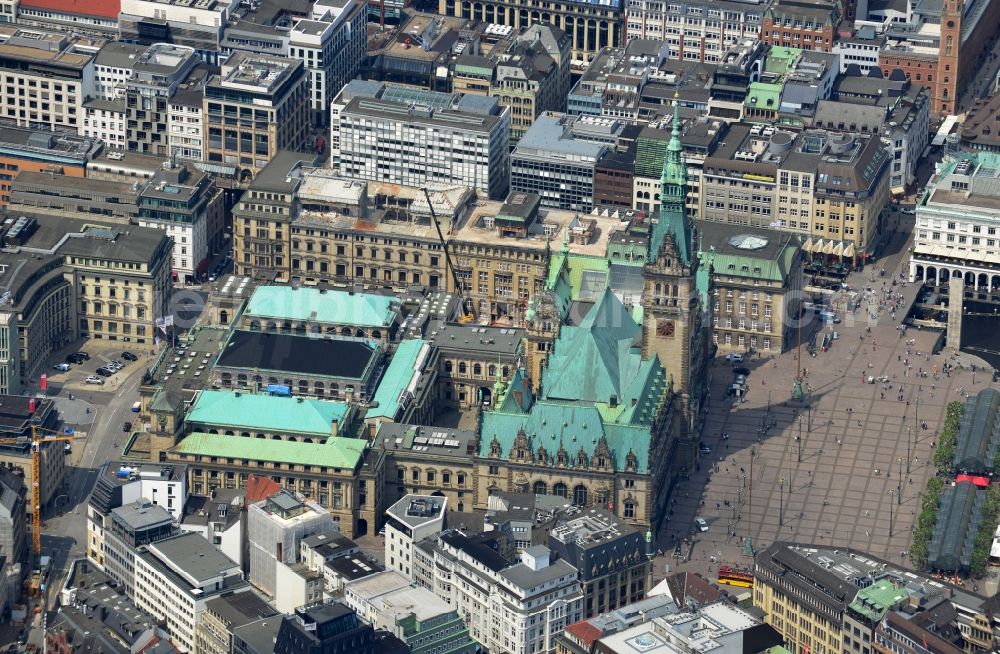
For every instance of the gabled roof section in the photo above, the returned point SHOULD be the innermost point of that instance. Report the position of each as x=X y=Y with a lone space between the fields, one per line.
x=597 y=360
x=517 y=398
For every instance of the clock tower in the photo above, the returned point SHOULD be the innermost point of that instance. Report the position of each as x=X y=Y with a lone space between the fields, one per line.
x=675 y=327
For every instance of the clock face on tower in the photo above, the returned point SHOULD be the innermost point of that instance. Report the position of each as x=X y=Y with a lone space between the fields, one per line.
x=665 y=328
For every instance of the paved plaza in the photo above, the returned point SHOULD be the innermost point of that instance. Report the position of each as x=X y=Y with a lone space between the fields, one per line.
x=848 y=470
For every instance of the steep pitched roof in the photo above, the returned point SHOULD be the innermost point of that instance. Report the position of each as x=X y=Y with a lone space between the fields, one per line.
x=598 y=359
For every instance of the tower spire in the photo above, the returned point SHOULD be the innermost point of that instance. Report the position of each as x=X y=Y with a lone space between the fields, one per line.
x=673 y=190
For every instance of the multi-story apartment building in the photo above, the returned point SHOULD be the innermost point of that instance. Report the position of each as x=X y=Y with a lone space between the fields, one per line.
x=185 y=122
x=830 y=188
x=317 y=629
x=694 y=30
x=104 y=120
x=196 y=24
x=591 y=25
x=185 y=203
x=331 y=45
x=516 y=606
x=461 y=140
x=156 y=74
x=33 y=150
x=176 y=577
x=48 y=76
x=757 y=276
x=256 y=107
x=96 y=279
x=557 y=158
x=806 y=24
x=957 y=224
x=225 y=613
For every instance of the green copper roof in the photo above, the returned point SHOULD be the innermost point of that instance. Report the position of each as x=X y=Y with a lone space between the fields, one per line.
x=337 y=307
x=336 y=452
x=570 y=425
x=600 y=360
x=269 y=413
x=397 y=378
x=780 y=58
x=878 y=599
x=762 y=95
x=673 y=220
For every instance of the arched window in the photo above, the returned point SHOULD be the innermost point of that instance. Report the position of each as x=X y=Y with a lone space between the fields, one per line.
x=541 y=488
x=559 y=489
x=461 y=368
x=491 y=370
x=448 y=367
x=580 y=495
x=477 y=370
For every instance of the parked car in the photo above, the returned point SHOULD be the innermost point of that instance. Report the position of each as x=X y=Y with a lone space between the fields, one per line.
x=128 y=356
x=118 y=363
x=127 y=427
x=113 y=366
x=94 y=380
x=704 y=449
x=733 y=357
x=104 y=372
x=75 y=358
x=83 y=355
x=741 y=371
x=62 y=367
x=701 y=524
x=741 y=379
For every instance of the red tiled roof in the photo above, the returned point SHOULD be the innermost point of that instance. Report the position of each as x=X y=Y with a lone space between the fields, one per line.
x=99 y=8
x=260 y=488
x=585 y=632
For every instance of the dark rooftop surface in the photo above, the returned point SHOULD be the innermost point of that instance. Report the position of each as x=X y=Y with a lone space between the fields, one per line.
x=238 y=609
x=334 y=357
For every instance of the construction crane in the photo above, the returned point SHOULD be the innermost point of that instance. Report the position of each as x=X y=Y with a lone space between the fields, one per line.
x=468 y=311
x=38 y=436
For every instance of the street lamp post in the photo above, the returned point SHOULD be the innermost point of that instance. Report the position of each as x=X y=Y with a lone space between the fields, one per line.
x=781 y=502
x=909 y=457
x=891 y=492
x=899 y=483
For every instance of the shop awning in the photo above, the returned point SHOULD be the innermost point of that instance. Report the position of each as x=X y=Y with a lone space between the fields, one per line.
x=981 y=482
x=849 y=250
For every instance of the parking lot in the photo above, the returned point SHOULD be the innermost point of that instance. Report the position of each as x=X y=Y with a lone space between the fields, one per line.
x=101 y=353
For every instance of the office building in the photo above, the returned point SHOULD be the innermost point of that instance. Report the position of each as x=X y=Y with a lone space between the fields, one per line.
x=64 y=195
x=341 y=474
x=17 y=414
x=96 y=19
x=368 y=117
x=226 y=613
x=275 y=528
x=196 y=24
x=956 y=225
x=425 y=460
x=186 y=204
x=156 y=75
x=415 y=615
x=694 y=30
x=831 y=600
x=132 y=526
x=257 y=106
x=185 y=120
x=331 y=44
x=94 y=614
x=175 y=578
x=39 y=65
x=757 y=279
x=591 y=25
x=539 y=595
x=557 y=158
x=898 y=109
x=409 y=521
x=33 y=150
x=120 y=484
x=322 y=629
x=219 y=518
x=14 y=525
x=113 y=68
x=829 y=188
x=104 y=121
x=807 y=24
